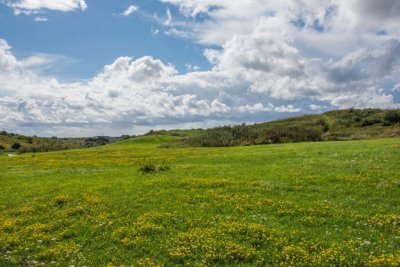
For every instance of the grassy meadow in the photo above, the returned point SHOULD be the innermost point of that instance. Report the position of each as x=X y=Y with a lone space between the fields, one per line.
x=303 y=204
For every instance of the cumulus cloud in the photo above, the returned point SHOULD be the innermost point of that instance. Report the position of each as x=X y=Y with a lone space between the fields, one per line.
x=7 y=60
x=381 y=11
x=143 y=91
x=32 y=6
x=267 y=57
x=366 y=64
x=332 y=27
x=131 y=9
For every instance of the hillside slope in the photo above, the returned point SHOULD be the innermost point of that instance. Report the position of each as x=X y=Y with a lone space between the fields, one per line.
x=347 y=124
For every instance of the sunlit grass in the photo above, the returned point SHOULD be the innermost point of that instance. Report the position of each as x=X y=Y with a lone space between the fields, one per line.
x=320 y=204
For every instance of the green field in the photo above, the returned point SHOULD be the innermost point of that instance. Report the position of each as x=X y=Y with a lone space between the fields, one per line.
x=304 y=204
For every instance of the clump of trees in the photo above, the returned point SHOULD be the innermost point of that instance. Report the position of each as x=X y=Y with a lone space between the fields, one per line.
x=392 y=117
x=96 y=141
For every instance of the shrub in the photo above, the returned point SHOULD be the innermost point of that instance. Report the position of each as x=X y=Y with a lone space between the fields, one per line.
x=393 y=116
x=16 y=146
x=2 y=147
x=324 y=124
x=147 y=168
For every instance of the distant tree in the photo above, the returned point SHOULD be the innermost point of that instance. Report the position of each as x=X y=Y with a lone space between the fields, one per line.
x=96 y=141
x=2 y=147
x=151 y=132
x=393 y=116
x=16 y=146
x=29 y=140
x=125 y=137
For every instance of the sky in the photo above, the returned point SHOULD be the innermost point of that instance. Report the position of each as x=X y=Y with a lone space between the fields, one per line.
x=74 y=68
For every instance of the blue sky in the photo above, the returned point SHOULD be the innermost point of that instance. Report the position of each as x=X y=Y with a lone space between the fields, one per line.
x=83 y=67
x=93 y=38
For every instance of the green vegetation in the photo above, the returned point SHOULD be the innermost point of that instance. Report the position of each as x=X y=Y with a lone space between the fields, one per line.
x=16 y=146
x=304 y=204
x=10 y=142
x=347 y=124
x=350 y=124
x=20 y=143
x=392 y=117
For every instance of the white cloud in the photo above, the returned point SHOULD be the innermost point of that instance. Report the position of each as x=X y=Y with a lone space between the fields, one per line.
x=7 y=60
x=29 y=6
x=260 y=108
x=191 y=67
x=131 y=9
x=315 y=107
x=267 y=57
x=177 y=33
x=144 y=92
x=154 y=31
x=36 y=61
x=168 y=19
x=345 y=24
x=41 y=19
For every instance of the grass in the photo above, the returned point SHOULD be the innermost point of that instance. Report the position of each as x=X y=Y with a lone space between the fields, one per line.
x=319 y=204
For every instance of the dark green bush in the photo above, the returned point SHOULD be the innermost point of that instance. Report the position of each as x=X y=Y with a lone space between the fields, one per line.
x=147 y=168
x=96 y=141
x=16 y=146
x=392 y=116
x=2 y=147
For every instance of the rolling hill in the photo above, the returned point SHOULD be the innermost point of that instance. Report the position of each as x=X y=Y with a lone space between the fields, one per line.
x=350 y=124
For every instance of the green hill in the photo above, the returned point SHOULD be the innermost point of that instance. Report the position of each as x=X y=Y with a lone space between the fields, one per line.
x=304 y=204
x=350 y=124
x=347 y=124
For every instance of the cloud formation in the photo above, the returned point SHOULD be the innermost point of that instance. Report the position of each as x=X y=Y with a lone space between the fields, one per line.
x=32 y=6
x=131 y=9
x=268 y=58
